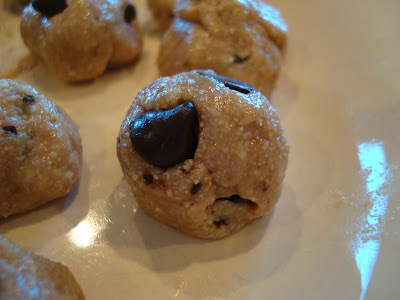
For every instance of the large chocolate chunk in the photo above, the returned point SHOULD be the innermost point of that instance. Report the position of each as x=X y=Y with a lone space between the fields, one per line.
x=49 y=8
x=166 y=138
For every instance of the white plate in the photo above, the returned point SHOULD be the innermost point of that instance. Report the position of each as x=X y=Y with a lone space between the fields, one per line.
x=334 y=232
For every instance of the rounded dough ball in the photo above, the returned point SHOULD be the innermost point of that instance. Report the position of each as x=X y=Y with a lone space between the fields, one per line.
x=235 y=174
x=24 y=275
x=244 y=39
x=85 y=38
x=40 y=149
x=163 y=12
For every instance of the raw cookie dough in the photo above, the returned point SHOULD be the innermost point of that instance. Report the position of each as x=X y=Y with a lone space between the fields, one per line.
x=40 y=149
x=203 y=153
x=79 y=39
x=24 y=275
x=163 y=12
x=242 y=39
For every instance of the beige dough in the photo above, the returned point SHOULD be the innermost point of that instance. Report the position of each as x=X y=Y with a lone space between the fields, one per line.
x=243 y=39
x=25 y=276
x=241 y=151
x=163 y=12
x=84 y=39
x=40 y=149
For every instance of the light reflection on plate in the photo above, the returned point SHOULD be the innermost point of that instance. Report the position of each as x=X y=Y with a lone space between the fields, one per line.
x=367 y=244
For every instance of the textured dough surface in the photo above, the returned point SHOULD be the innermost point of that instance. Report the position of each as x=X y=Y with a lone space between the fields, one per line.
x=163 y=12
x=242 y=39
x=40 y=149
x=79 y=43
x=24 y=275
x=241 y=151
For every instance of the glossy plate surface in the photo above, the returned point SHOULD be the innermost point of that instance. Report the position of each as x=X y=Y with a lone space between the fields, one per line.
x=334 y=232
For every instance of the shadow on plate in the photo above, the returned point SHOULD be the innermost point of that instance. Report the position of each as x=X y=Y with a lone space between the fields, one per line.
x=256 y=252
x=44 y=81
x=285 y=95
x=69 y=211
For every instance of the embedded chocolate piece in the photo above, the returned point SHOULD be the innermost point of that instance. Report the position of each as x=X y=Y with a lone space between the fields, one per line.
x=236 y=199
x=148 y=178
x=195 y=188
x=11 y=129
x=220 y=222
x=129 y=14
x=28 y=99
x=233 y=84
x=166 y=138
x=49 y=8
x=239 y=60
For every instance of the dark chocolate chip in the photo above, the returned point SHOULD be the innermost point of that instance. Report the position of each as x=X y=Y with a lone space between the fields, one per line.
x=239 y=60
x=10 y=129
x=236 y=199
x=220 y=222
x=233 y=84
x=129 y=14
x=166 y=138
x=28 y=99
x=195 y=188
x=148 y=178
x=238 y=86
x=49 y=8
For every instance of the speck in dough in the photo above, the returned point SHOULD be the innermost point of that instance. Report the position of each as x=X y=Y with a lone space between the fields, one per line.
x=79 y=39
x=242 y=39
x=40 y=149
x=227 y=153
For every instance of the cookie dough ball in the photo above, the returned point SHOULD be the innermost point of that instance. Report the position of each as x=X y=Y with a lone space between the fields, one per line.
x=79 y=39
x=163 y=12
x=203 y=153
x=244 y=39
x=24 y=275
x=40 y=149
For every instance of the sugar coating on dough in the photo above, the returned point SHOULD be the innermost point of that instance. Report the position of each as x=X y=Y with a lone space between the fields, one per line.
x=79 y=43
x=24 y=275
x=40 y=149
x=163 y=12
x=241 y=151
x=242 y=39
